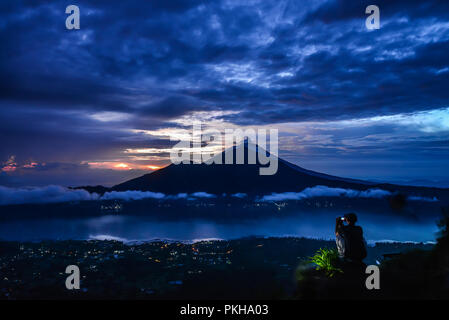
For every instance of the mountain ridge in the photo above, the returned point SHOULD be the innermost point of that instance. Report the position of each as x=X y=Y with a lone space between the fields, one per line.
x=245 y=178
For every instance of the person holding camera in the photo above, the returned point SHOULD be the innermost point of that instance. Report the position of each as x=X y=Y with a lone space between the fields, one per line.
x=351 y=245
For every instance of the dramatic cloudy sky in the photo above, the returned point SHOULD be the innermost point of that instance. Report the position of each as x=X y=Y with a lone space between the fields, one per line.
x=98 y=105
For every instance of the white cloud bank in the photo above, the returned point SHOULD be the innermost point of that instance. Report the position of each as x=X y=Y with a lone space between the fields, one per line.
x=46 y=194
x=239 y=195
x=426 y=199
x=323 y=191
x=132 y=195
x=203 y=195
x=53 y=194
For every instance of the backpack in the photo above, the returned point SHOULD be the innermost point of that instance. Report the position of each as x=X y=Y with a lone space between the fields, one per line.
x=355 y=247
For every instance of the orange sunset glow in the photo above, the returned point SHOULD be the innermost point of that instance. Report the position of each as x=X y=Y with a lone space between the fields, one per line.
x=121 y=166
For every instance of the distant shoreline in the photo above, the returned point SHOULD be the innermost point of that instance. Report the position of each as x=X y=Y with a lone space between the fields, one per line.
x=127 y=242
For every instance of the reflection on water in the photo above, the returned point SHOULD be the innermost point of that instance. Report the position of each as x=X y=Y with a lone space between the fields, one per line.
x=142 y=229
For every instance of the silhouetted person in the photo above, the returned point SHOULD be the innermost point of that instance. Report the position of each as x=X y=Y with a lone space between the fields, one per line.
x=349 y=238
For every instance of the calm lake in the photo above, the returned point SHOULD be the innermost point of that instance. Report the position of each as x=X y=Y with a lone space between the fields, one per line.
x=128 y=228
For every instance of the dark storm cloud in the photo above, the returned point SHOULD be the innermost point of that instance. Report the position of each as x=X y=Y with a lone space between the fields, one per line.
x=171 y=107
x=47 y=135
x=336 y=10
x=150 y=62
x=191 y=55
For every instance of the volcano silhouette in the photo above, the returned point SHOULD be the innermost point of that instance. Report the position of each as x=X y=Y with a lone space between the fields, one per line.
x=235 y=178
x=245 y=178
